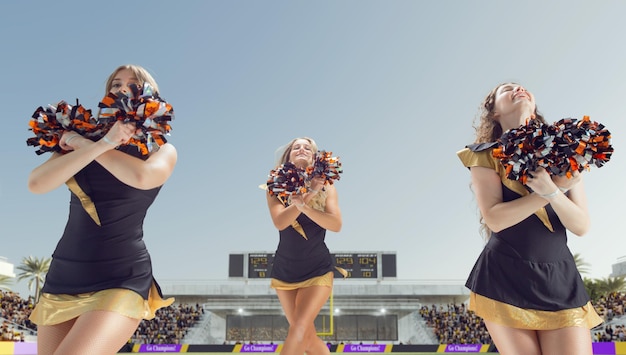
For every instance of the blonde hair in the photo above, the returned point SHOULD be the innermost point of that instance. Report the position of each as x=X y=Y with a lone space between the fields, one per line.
x=140 y=73
x=287 y=149
x=318 y=201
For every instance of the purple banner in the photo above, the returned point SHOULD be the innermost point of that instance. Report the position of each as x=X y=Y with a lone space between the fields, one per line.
x=22 y=348
x=160 y=348
x=258 y=348
x=364 y=348
x=463 y=348
x=603 y=348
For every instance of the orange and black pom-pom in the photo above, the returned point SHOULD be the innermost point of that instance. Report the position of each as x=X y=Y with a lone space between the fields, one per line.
x=286 y=180
x=562 y=148
x=289 y=179
x=48 y=125
x=143 y=107
x=325 y=166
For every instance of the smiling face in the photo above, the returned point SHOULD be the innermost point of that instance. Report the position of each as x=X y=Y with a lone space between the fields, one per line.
x=302 y=152
x=513 y=99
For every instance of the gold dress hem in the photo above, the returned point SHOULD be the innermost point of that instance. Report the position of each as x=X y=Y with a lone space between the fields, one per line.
x=520 y=318
x=54 y=309
x=323 y=280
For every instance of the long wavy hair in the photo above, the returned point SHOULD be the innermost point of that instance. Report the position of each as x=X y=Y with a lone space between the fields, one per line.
x=488 y=129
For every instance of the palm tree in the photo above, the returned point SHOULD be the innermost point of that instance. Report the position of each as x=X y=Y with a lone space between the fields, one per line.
x=34 y=269
x=581 y=265
x=5 y=281
x=611 y=284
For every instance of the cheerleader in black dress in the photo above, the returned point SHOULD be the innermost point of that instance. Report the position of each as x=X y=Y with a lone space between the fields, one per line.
x=302 y=273
x=100 y=285
x=525 y=284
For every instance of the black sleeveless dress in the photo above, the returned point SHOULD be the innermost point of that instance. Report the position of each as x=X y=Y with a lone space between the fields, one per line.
x=102 y=246
x=528 y=265
x=302 y=253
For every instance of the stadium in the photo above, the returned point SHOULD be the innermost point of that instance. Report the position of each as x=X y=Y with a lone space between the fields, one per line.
x=369 y=311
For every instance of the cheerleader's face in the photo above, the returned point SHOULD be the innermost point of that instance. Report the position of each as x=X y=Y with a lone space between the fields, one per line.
x=301 y=153
x=122 y=80
x=512 y=98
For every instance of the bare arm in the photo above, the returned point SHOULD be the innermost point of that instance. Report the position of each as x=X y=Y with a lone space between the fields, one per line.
x=141 y=174
x=329 y=219
x=60 y=167
x=571 y=207
x=138 y=173
x=281 y=216
x=499 y=215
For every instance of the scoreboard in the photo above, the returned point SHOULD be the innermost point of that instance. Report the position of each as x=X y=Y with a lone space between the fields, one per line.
x=358 y=265
x=260 y=265
x=361 y=266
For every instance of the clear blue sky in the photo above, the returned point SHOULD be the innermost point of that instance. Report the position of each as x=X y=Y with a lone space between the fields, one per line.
x=392 y=87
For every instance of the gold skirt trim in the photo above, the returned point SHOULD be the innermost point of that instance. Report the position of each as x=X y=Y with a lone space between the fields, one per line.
x=324 y=280
x=54 y=309
x=515 y=317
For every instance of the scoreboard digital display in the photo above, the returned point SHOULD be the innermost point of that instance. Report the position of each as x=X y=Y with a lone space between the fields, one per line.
x=360 y=266
x=259 y=265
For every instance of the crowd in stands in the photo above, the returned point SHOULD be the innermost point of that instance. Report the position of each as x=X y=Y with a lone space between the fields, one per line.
x=454 y=324
x=14 y=314
x=168 y=327
x=611 y=307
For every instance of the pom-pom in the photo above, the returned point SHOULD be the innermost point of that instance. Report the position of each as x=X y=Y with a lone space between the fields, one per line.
x=567 y=146
x=285 y=180
x=325 y=166
x=143 y=107
x=48 y=125
x=289 y=179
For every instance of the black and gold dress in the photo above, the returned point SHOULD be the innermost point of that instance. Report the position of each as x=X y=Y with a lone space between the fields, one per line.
x=526 y=276
x=101 y=261
x=302 y=258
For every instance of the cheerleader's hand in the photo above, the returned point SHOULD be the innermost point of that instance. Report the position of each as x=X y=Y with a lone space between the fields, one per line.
x=120 y=133
x=540 y=181
x=564 y=183
x=298 y=201
x=69 y=140
x=317 y=184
